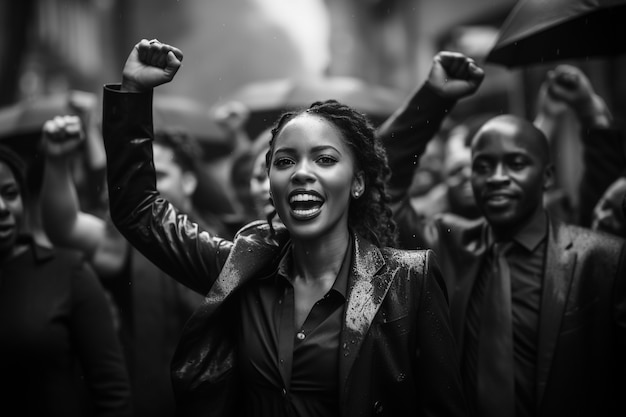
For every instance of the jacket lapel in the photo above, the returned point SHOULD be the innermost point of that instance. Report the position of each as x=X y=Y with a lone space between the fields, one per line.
x=366 y=291
x=253 y=253
x=557 y=279
x=467 y=267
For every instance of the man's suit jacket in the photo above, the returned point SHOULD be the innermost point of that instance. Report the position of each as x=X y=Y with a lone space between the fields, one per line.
x=581 y=366
x=397 y=353
x=581 y=349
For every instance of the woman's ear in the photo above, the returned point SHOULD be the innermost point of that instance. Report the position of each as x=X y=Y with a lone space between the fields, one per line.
x=358 y=185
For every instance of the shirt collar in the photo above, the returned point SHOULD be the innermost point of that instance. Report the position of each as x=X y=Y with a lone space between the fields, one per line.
x=530 y=236
x=38 y=252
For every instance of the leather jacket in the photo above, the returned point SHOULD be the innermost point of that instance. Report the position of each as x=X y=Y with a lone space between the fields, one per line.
x=397 y=350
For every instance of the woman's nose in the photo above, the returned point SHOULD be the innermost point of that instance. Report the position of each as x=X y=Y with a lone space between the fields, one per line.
x=302 y=172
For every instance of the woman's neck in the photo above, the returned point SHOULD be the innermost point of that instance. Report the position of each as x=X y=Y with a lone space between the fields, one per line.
x=320 y=259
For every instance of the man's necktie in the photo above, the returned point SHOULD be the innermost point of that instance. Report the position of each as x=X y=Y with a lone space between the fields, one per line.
x=496 y=363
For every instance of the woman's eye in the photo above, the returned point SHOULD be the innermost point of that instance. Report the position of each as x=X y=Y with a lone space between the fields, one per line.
x=282 y=162
x=326 y=160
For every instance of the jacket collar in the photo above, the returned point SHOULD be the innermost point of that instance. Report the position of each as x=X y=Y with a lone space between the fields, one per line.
x=202 y=356
x=38 y=252
x=366 y=290
x=365 y=293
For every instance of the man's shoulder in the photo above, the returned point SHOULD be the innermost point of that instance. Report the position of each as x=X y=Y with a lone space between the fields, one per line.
x=585 y=239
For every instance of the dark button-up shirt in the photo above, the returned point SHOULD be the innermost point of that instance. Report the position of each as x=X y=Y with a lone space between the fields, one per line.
x=289 y=371
x=526 y=260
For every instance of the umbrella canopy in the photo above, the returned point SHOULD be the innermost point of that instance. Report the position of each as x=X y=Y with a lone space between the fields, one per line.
x=21 y=124
x=538 y=31
x=25 y=119
x=267 y=100
x=28 y=116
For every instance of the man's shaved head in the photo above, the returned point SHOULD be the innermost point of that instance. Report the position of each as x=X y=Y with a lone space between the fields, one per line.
x=524 y=132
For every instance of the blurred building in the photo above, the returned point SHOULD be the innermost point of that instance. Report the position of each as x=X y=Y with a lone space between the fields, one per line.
x=51 y=45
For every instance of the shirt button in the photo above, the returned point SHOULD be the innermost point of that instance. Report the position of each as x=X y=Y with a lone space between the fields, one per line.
x=300 y=336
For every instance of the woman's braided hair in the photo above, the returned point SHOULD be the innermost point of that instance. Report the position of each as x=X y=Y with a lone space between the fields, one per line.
x=370 y=215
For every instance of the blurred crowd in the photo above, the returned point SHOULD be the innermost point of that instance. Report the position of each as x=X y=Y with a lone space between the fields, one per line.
x=90 y=325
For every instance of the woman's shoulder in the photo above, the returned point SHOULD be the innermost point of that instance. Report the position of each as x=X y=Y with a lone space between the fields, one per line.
x=263 y=230
x=407 y=258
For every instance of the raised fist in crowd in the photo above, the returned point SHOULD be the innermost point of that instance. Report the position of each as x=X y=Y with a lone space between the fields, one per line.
x=454 y=75
x=62 y=135
x=150 y=63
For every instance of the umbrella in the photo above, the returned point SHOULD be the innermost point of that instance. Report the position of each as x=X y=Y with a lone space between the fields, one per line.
x=538 y=31
x=28 y=116
x=268 y=99
x=22 y=122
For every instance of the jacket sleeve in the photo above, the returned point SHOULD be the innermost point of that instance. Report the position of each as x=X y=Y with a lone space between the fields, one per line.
x=407 y=132
x=167 y=237
x=439 y=384
x=405 y=136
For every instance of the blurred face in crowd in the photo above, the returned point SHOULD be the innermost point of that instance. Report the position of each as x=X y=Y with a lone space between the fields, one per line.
x=608 y=215
x=11 y=210
x=312 y=178
x=510 y=171
x=429 y=170
x=458 y=173
x=260 y=187
x=175 y=184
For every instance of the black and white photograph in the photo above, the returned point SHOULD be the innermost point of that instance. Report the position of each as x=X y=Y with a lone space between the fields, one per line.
x=313 y=208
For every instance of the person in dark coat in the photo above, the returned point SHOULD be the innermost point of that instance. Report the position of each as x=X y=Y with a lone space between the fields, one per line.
x=60 y=355
x=151 y=307
x=312 y=316
x=566 y=343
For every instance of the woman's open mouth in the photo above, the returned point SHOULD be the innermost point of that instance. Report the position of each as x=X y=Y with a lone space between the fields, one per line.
x=305 y=206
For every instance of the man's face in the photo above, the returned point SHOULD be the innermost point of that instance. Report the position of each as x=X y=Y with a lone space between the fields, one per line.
x=172 y=181
x=458 y=172
x=260 y=187
x=509 y=174
x=11 y=210
x=608 y=215
x=428 y=172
